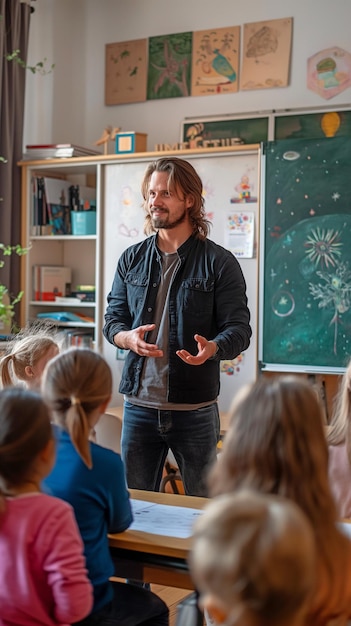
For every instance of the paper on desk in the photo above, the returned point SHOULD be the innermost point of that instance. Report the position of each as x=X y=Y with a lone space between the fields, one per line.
x=162 y=519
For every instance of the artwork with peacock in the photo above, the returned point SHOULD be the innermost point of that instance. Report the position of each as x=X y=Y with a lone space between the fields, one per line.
x=215 y=61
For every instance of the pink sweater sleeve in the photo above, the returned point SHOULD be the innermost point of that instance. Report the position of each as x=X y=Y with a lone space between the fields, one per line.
x=64 y=564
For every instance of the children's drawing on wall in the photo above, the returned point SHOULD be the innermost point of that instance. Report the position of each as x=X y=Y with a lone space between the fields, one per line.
x=266 y=56
x=244 y=189
x=129 y=212
x=307 y=266
x=215 y=61
x=169 y=66
x=125 y=72
x=329 y=72
x=232 y=367
x=240 y=233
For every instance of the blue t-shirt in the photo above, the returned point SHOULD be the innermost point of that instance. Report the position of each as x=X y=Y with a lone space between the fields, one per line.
x=101 y=503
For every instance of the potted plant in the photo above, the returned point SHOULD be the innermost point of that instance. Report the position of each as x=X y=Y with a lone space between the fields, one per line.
x=7 y=301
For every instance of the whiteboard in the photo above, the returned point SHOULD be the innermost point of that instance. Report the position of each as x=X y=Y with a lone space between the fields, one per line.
x=223 y=175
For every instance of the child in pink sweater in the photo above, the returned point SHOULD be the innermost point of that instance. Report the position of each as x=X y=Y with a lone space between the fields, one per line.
x=43 y=579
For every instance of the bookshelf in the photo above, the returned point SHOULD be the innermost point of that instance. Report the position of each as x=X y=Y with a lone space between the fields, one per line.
x=81 y=253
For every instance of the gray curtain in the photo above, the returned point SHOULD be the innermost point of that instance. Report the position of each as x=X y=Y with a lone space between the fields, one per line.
x=14 y=32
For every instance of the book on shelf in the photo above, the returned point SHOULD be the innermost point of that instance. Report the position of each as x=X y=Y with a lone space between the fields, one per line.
x=53 y=201
x=57 y=150
x=51 y=281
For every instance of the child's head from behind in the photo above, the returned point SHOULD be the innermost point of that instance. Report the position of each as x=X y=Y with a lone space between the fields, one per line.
x=276 y=439
x=77 y=385
x=27 y=359
x=25 y=433
x=253 y=560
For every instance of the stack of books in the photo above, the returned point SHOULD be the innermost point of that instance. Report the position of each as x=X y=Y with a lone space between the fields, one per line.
x=56 y=150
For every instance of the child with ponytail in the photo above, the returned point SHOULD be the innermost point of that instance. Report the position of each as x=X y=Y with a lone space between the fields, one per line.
x=77 y=384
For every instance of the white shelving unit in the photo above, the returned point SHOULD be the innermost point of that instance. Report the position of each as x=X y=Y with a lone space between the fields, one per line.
x=80 y=253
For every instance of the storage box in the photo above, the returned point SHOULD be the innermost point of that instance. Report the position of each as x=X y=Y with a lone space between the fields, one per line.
x=83 y=222
x=128 y=142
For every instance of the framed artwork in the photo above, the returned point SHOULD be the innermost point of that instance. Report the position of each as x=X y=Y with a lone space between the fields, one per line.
x=266 y=54
x=215 y=61
x=224 y=131
x=318 y=124
x=169 y=66
x=125 y=72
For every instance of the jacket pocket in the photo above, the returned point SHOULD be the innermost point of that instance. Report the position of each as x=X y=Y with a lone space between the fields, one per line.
x=136 y=290
x=198 y=294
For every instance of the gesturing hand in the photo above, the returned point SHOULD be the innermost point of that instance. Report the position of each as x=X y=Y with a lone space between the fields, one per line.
x=134 y=340
x=205 y=350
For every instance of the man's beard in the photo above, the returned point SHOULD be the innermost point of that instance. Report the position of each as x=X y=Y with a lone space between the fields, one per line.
x=160 y=222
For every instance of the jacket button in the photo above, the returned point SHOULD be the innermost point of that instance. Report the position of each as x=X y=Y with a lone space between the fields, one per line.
x=154 y=285
x=149 y=309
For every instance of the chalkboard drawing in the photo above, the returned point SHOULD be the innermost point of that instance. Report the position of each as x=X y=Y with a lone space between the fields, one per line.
x=244 y=188
x=335 y=293
x=169 y=66
x=215 y=61
x=329 y=72
x=125 y=72
x=266 y=58
x=306 y=265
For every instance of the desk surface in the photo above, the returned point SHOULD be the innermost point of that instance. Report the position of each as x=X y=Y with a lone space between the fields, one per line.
x=149 y=543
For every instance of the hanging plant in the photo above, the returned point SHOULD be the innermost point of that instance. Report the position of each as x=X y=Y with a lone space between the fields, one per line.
x=8 y=302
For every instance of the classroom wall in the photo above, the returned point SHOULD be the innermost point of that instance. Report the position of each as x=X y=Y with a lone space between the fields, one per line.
x=68 y=104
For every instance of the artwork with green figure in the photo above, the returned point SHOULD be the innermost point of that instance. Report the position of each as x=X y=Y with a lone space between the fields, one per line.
x=169 y=66
x=306 y=299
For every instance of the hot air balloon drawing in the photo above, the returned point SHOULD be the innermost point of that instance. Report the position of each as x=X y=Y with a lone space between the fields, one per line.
x=215 y=61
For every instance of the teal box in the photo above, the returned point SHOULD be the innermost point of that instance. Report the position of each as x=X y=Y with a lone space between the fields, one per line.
x=83 y=222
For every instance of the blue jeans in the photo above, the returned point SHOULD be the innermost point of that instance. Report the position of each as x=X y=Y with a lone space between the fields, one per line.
x=149 y=433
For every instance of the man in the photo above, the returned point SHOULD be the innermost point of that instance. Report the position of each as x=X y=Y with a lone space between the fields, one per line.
x=178 y=304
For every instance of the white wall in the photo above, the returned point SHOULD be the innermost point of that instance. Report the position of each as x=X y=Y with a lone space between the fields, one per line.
x=68 y=105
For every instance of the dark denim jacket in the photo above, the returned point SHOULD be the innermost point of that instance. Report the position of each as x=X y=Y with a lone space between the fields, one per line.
x=207 y=297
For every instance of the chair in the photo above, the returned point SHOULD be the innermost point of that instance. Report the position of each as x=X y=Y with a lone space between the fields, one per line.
x=172 y=475
x=108 y=432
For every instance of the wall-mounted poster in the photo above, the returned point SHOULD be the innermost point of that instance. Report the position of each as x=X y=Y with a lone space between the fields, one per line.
x=266 y=54
x=125 y=72
x=169 y=67
x=215 y=62
x=329 y=72
x=306 y=263
x=327 y=123
x=224 y=131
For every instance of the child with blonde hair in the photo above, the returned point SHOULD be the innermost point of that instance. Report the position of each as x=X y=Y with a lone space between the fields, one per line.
x=338 y=434
x=253 y=560
x=43 y=578
x=276 y=444
x=26 y=359
x=77 y=384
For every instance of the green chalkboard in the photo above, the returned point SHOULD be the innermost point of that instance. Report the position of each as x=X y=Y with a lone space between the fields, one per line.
x=306 y=255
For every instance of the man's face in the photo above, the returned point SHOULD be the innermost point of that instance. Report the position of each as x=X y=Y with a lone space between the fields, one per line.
x=167 y=208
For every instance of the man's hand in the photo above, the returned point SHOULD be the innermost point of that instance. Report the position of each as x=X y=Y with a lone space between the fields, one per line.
x=206 y=349
x=134 y=340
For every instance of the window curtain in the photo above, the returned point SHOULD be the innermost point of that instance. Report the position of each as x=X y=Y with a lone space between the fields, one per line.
x=14 y=33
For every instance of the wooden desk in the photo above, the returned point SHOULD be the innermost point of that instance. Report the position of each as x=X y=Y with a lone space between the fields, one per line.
x=155 y=558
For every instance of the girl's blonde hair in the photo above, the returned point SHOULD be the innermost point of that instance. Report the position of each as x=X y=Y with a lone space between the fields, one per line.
x=25 y=351
x=276 y=445
x=25 y=430
x=255 y=553
x=339 y=429
x=74 y=384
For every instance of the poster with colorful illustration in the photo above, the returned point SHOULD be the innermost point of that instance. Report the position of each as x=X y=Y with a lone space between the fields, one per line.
x=215 y=61
x=329 y=72
x=306 y=255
